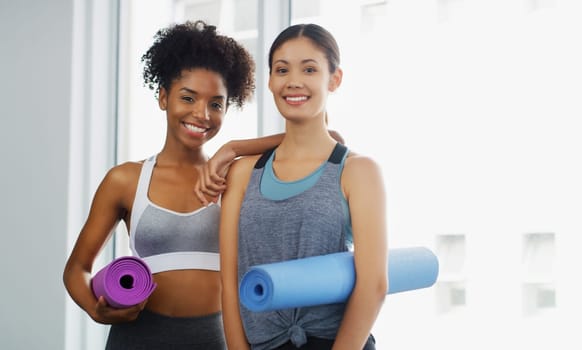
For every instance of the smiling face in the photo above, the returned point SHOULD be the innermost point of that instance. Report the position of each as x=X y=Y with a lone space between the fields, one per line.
x=195 y=106
x=300 y=79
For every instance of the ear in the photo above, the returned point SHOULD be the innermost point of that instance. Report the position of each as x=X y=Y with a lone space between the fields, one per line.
x=163 y=99
x=336 y=79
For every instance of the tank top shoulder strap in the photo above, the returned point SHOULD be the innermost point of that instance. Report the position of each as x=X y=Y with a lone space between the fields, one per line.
x=140 y=201
x=264 y=158
x=145 y=176
x=338 y=154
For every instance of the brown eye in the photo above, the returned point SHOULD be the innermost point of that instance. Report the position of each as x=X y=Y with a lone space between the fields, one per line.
x=217 y=106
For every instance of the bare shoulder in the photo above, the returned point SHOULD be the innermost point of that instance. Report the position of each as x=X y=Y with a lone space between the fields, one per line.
x=237 y=179
x=242 y=167
x=362 y=178
x=125 y=174
x=120 y=183
x=361 y=166
x=119 y=186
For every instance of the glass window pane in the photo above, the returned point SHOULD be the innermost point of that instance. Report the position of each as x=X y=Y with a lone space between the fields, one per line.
x=209 y=11
x=472 y=110
x=305 y=8
x=246 y=15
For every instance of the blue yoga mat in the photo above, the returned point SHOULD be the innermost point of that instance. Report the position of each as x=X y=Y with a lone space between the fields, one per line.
x=328 y=279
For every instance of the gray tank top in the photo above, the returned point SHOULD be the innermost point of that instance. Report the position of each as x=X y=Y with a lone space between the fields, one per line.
x=309 y=223
x=168 y=240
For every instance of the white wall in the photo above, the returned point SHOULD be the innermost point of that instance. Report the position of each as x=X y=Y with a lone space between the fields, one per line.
x=35 y=63
x=58 y=94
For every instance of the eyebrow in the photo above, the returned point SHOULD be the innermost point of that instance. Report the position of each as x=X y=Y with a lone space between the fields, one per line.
x=190 y=91
x=307 y=60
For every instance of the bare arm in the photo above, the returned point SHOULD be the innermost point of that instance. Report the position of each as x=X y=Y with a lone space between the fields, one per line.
x=211 y=180
x=237 y=180
x=105 y=213
x=364 y=189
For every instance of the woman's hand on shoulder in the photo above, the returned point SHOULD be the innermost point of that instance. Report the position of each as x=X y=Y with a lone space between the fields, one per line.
x=211 y=181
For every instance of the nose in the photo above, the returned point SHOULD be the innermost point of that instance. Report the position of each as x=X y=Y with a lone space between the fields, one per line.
x=294 y=85
x=200 y=110
x=294 y=81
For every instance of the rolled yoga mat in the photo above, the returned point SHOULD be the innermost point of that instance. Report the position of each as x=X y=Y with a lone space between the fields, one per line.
x=124 y=282
x=328 y=279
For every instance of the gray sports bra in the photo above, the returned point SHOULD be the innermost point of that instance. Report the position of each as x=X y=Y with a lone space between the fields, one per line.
x=168 y=240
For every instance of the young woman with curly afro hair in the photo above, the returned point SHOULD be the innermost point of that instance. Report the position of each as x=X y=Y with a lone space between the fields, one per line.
x=197 y=75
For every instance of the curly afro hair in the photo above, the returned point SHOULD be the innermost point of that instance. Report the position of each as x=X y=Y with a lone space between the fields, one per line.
x=197 y=45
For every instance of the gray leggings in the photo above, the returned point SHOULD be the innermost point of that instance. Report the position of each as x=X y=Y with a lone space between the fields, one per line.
x=151 y=331
x=323 y=344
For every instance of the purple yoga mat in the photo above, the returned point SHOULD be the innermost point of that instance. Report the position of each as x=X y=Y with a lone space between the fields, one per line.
x=124 y=282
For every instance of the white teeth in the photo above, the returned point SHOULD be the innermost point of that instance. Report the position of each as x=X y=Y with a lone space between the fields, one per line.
x=194 y=128
x=296 y=99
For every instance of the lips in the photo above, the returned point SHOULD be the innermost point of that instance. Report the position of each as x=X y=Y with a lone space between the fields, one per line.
x=195 y=129
x=295 y=100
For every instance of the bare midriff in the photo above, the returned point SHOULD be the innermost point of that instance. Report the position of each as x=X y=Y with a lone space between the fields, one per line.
x=186 y=293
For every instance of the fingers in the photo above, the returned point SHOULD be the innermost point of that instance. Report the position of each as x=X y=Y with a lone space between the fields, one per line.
x=209 y=184
x=201 y=197
x=199 y=187
x=214 y=178
x=109 y=315
x=102 y=306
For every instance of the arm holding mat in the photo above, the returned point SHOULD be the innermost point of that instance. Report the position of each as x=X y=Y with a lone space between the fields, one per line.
x=124 y=282
x=330 y=278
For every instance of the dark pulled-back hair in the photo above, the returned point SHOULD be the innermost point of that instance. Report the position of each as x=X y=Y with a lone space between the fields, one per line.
x=320 y=37
x=197 y=45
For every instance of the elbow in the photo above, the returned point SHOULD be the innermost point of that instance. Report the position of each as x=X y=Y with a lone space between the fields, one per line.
x=69 y=272
x=381 y=289
x=65 y=276
x=375 y=290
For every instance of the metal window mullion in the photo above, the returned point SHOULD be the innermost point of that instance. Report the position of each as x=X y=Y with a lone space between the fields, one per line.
x=273 y=17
